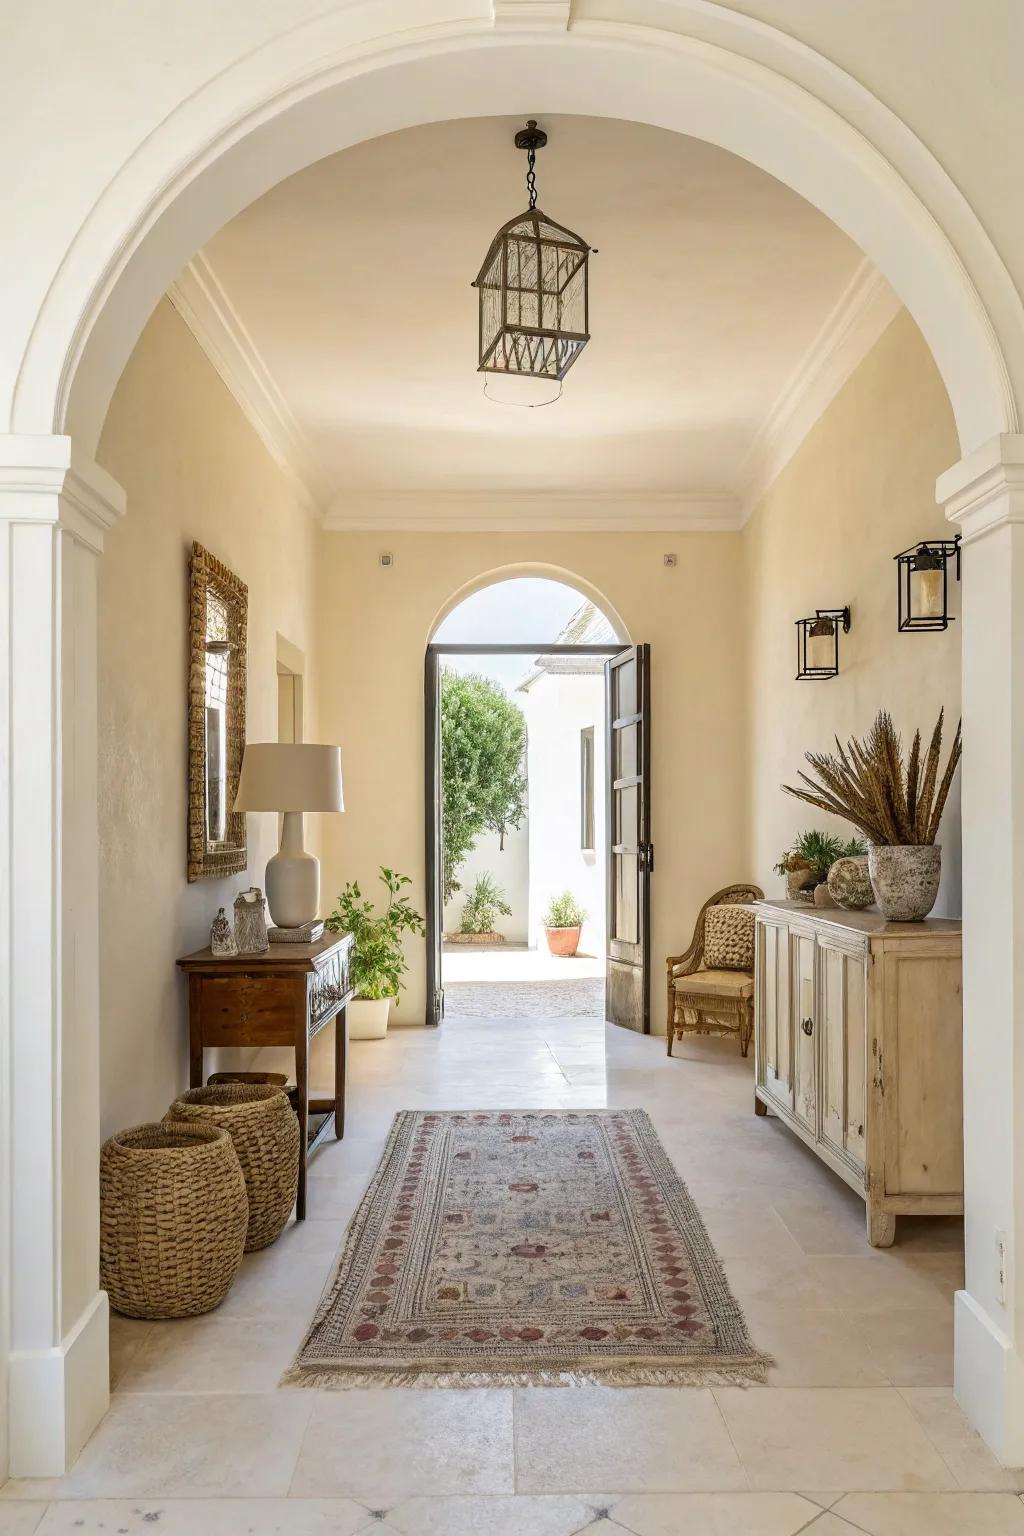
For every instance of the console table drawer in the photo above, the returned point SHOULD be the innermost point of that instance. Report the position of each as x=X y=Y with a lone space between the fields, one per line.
x=247 y=1010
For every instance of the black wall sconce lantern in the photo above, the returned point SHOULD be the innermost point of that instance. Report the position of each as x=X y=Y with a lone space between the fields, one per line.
x=817 y=643
x=923 y=584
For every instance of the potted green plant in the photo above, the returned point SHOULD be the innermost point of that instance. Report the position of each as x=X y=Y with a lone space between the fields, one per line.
x=563 y=922
x=484 y=904
x=807 y=863
x=897 y=805
x=378 y=961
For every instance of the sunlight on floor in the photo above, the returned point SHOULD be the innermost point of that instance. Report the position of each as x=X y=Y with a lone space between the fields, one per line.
x=860 y=1405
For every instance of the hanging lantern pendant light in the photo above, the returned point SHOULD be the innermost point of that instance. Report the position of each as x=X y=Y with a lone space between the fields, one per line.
x=532 y=288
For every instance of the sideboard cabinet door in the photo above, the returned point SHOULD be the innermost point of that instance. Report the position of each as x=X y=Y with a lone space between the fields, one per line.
x=842 y=1043
x=803 y=1010
x=922 y=1056
x=774 y=1044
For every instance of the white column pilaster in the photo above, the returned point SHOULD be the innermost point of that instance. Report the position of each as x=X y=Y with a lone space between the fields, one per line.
x=54 y=510
x=984 y=495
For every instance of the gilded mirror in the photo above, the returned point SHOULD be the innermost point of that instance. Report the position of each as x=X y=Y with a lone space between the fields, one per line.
x=218 y=607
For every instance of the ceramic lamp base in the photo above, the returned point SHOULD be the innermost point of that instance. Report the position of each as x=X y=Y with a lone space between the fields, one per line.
x=293 y=878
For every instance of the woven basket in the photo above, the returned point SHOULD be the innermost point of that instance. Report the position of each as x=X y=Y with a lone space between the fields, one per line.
x=173 y=1216
x=265 y=1131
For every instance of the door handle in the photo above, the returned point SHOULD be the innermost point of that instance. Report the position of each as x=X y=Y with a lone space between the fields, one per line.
x=807 y=1025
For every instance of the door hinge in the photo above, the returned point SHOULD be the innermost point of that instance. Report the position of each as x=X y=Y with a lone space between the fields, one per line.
x=646 y=852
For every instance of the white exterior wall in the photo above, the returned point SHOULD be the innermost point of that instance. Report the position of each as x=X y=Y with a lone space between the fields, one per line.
x=510 y=867
x=557 y=708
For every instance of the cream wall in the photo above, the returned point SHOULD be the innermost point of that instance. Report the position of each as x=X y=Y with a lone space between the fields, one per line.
x=860 y=488
x=192 y=468
x=375 y=624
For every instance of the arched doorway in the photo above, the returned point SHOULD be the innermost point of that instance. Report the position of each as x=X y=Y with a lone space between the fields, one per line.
x=517 y=793
x=185 y=181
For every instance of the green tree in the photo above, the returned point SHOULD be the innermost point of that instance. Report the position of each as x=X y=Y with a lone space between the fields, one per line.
x=483 y=750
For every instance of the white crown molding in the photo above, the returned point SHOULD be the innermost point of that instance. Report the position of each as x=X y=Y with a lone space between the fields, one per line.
x=200 y=299
x=865 y=309
x=531 y=512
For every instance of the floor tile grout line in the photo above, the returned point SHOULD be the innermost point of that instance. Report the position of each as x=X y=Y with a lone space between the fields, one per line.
x=735 y=1448
x=940 y=1453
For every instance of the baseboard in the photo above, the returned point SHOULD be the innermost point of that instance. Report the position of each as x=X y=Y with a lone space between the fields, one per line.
x=988 y=1377
x=59 y=1395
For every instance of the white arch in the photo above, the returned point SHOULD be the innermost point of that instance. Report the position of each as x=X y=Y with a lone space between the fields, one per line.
x=324 y=87
x=353 y=73
x=515 y=572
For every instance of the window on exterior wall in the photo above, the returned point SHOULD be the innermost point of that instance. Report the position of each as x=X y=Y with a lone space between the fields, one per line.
x=587 y=789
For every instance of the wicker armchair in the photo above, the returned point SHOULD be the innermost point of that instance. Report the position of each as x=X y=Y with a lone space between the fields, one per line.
x=711 y=1002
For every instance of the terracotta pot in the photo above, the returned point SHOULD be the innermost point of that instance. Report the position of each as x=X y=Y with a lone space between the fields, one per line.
x=563 y=941
x=905 y=880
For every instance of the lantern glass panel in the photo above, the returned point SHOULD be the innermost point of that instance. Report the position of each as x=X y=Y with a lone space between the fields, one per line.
x=927 y=588
x=533 y=299
x=821 y=646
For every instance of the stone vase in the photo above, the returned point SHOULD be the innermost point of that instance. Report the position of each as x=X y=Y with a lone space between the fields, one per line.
x=905 y=880
x=850 y=883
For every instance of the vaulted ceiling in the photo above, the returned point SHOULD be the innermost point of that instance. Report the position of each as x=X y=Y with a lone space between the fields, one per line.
x=339 y=308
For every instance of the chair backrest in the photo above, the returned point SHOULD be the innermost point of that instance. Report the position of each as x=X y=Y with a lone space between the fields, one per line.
x=729 y=895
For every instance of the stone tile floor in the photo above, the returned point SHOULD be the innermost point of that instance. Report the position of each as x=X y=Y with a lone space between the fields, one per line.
x=857 y=1430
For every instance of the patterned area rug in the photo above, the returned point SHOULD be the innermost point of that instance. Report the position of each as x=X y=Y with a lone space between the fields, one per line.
x=543 y=1247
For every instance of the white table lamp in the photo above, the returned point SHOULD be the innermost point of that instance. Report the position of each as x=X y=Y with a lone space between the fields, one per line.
x=291 y=779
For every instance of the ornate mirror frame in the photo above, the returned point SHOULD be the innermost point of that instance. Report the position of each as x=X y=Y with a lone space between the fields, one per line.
x=218 y=613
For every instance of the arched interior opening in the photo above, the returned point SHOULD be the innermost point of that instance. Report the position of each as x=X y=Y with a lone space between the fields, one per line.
x=521 y=839
x=721 y=648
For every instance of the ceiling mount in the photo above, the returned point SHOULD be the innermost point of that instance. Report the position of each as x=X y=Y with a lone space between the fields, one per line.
x=531 y=137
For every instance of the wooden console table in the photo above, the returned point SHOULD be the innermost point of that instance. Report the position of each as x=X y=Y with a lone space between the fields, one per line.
x=283 y=997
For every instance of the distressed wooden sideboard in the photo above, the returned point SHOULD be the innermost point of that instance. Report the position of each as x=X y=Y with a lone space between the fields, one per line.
x=858 y=1047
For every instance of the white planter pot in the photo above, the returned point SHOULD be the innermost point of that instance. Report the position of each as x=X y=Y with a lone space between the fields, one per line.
x=368 y=1018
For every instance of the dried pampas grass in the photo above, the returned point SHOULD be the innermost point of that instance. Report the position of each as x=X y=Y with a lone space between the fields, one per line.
x=867 y=784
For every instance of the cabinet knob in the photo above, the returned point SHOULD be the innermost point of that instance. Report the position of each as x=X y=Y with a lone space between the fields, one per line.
x=807 y=1025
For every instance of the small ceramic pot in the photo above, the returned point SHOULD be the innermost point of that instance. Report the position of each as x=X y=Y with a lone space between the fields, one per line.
x=563 y=941
x=850 y=883
x=905 y=880
x=823 y=896
x=799 y=883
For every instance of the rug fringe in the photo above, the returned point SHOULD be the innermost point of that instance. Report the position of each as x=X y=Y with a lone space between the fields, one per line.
x=751 y=1371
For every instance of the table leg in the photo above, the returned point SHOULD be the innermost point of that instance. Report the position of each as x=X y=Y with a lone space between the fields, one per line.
x=195 y=1032
x=340 y=1069
x=302 y=1095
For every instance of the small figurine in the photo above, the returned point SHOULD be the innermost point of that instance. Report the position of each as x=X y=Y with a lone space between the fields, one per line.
x=251 y=922
x=222 y=939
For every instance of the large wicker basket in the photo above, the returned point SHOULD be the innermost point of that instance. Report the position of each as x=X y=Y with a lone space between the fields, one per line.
x=173 y=1216
x=265 y=1131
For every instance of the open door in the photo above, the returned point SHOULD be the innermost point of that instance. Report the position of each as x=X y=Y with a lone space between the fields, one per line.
x=630 y=850
x=434 y=832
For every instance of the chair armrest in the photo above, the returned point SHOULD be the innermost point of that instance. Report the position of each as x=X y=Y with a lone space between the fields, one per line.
x=682 y=965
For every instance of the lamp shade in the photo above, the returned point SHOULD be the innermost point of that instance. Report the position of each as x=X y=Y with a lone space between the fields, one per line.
x=281 y=777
